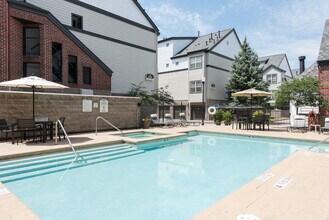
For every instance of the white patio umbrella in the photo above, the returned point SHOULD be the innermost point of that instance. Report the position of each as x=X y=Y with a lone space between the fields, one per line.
x=252 y=93
x=32 y=82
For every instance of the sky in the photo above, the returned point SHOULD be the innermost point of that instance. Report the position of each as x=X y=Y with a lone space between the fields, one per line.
x=293 y=27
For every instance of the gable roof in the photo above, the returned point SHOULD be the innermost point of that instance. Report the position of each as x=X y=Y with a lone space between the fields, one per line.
x=205 y=42
x=274 y=60
x=147 y=17
x=324 y=48
x=274 y=67
x=24 y=6
x=310 y=71
x=176 y=38
x=295 y=73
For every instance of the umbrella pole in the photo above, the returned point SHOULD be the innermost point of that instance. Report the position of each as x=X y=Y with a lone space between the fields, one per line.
x=33 y=100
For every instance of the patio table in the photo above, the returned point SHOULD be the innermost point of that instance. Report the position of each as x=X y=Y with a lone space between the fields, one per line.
x=46 y=125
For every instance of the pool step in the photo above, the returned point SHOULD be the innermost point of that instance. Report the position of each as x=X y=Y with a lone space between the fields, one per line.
x=60 y=162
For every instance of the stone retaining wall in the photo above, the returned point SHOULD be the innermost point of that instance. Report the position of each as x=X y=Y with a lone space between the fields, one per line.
x=123 y=112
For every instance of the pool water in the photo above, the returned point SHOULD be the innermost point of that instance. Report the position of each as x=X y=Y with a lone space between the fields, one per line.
x=140 y=135
x=174 y=182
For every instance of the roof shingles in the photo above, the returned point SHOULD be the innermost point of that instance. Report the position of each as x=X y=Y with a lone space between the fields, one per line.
x=205 y=42
x=324 y=48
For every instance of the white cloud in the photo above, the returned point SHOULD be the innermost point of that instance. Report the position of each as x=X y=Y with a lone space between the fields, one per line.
x=293 y=27
x=174 y=21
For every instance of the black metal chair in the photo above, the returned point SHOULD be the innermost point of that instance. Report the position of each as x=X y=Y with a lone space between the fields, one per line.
x=27 y=126
x=59 y=128
x=4 y=127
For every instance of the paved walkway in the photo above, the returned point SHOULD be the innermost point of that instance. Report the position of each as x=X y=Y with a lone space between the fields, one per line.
x=305 y=197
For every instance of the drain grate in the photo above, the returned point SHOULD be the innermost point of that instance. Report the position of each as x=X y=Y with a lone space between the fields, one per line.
x=265 y=177
x=283 y=182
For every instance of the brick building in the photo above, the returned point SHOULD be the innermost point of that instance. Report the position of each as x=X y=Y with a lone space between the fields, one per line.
x=59 y=40
x=323 y=64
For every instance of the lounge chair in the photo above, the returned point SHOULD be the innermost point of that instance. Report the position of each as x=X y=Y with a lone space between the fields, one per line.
x=326 y=125
x=169 y=121
x=299 y=123
x=185 y=122
x=155 y=121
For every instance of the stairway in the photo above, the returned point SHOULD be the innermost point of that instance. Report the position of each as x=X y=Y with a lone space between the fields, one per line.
x=30 y=167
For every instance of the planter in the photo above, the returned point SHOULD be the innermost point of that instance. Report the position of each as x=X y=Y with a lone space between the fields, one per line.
x=146 y=124
x=217 y=122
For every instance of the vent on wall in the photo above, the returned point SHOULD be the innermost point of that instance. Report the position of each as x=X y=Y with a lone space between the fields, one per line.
x=212 y=86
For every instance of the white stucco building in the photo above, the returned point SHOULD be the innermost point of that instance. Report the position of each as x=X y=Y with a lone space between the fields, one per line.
x=184 y=61
x=276 y=70
x=119 y=33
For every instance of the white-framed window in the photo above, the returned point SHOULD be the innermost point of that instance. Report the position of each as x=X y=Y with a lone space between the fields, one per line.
x=195 y=86
x=177 y=63
x=167 y=65
x=167 y=44
x=196 y=62
x=272 y=78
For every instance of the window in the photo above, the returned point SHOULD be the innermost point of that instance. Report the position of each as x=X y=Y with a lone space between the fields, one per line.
x=77 y=21
x=31 y=69
x=196 y=62
x=73 y=69
x=87 y=75
x=167 y=44
x=179 y=109
x=195 y=86
x=167 y=65
x=272 y=78
x=31 y=41
x=57 y=62
x=164 y=110
x=177 y=63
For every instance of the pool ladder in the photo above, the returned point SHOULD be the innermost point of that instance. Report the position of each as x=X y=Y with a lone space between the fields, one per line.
x=109 y=123
x=58 y=122
x=317 y=144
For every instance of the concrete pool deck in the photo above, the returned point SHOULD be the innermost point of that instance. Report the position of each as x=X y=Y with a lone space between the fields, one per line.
x=305 y=197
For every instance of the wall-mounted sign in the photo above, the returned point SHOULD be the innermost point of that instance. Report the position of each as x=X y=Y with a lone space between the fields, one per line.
x=87 y=105
x=103 y=105
x=149 y=77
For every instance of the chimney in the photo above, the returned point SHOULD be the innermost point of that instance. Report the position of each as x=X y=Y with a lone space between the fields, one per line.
x=301 y=64
x=198 y=33
x=218 y=33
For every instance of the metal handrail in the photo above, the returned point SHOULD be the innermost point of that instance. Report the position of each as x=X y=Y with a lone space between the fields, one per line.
x=67 y=137
x=317 y=144
x=99 y=117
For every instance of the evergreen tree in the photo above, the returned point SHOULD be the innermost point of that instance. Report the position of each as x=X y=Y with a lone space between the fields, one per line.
x=245 y=74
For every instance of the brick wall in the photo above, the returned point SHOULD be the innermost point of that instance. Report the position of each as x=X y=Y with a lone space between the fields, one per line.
x=324 y=82
x=3 y=40
x=123 y=112
x=49 y=33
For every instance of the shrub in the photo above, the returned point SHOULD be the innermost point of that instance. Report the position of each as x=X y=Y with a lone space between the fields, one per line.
x=227 y=117
x=218 y=116
x=258 y=113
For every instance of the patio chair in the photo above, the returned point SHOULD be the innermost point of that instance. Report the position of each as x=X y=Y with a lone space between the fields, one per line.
x=261 y=121
x=4 y=128
x=185 y=122
x=59 y=128
x=326 y=125
x=299 y=124
x=155 y=121
x=27 y=126
x=169 y=121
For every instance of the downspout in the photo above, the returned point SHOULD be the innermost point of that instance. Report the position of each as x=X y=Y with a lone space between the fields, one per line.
x=8 y=39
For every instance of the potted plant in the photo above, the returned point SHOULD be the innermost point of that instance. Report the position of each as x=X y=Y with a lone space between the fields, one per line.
x=218 y=117
x=227 y=117
x=146 y=121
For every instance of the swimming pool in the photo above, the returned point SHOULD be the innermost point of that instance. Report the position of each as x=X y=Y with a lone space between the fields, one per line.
x=141 y=134
x=118 y=182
